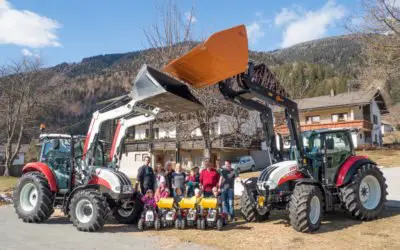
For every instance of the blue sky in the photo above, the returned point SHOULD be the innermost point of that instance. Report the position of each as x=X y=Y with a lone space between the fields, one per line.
x=67 y=31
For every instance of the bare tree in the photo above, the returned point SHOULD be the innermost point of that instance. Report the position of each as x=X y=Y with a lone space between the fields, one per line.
x=169 y=39
x=378 y=24
x=22 y=93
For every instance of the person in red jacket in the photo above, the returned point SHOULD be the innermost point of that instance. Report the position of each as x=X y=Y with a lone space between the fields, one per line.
x=209 y=178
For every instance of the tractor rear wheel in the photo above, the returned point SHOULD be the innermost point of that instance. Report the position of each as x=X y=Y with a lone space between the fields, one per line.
x=365 y=196
x=306 y=208
x=88 y=210
x=33 y=199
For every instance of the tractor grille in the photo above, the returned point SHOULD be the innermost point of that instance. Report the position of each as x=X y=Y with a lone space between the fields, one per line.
x=266 y=173
x=123 y=179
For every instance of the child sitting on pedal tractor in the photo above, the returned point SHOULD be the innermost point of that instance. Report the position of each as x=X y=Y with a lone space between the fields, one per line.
x=149 y=217
x=189 y=210
x=212 y=212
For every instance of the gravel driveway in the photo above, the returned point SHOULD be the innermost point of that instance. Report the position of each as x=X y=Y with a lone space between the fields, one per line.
x=58 y=232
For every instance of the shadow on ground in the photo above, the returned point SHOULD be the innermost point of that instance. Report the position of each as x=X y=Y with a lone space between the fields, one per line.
x=334 y=221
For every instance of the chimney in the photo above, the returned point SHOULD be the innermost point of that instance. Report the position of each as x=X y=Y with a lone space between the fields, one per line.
x=332 y=93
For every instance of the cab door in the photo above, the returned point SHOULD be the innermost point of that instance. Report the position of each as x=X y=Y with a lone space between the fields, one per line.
x=338 y=147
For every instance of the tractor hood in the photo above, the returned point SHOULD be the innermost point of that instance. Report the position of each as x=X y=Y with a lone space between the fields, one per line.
x=157 y=89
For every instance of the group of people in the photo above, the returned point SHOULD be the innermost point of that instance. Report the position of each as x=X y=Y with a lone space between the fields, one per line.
x=174 y=182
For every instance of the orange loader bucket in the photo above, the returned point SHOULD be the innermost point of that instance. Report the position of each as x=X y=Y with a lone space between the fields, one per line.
x=223 y=55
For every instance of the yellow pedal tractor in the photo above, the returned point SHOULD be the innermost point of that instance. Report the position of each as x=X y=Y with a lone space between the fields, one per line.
x=212 y=215
x=167 y=212
x=190 y=212
x=149 y=218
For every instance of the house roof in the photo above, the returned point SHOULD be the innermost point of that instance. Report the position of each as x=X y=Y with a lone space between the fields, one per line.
x=344 y=99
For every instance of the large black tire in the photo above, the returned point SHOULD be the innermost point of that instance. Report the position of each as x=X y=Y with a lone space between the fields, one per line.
x=129 y=216
x=95 y=208
x=35 y=203
x=247 y=207
x=352 y=193
x=301 y=205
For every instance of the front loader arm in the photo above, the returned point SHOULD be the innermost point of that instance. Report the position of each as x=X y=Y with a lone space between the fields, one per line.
x=122 y=127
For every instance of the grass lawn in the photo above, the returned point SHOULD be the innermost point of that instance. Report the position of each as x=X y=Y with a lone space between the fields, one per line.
x=385 y=158
x=7 y=183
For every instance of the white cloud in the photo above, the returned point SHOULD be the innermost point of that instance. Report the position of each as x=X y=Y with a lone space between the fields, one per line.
x=28 y=53
x=26 y=28
x=254 y=32
x=301 y=26
x=285 y=16
x=190 y=17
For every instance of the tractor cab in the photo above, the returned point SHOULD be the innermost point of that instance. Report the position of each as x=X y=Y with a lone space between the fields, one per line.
x=56 y=153
x=326 y=150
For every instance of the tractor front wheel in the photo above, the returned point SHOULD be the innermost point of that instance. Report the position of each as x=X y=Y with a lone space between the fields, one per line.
x=33 y=199
x=306 y=208
x=88 y=210
x=247 y=207
x=365 y=196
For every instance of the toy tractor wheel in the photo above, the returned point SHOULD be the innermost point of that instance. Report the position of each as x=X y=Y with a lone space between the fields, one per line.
x=33 y=200
x=203 y=224
x=183 y=224
x=88 y=210
x=247 y=207
x=198 y=223
x=157 y=224
x=178 y=224
x=220 y=224
x=365 y=196
x=140 y=224
x=306 y=208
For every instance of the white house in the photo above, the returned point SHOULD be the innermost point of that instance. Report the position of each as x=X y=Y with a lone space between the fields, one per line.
x=359 y=111
x=165 y=147
x=20 y=159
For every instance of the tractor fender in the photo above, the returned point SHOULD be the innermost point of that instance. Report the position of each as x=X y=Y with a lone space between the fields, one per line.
x=349 y=168
x=307 y=181
x=44 y=169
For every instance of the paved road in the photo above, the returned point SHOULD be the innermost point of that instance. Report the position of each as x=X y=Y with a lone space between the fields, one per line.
x=58 y=233
x=392 y=176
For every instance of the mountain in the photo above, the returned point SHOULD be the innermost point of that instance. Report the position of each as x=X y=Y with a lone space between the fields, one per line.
x=306 y=69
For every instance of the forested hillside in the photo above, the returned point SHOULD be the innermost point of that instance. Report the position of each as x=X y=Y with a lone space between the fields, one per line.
x=305 y=70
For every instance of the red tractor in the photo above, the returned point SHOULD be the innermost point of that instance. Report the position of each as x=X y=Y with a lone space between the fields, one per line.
x=72 y=173
x=322 y=174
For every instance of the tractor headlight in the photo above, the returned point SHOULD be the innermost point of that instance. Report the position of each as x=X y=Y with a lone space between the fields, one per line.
x=127 y=189
x=117 y=188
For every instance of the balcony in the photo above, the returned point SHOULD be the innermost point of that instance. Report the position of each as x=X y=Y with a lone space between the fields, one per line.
x=360 y=124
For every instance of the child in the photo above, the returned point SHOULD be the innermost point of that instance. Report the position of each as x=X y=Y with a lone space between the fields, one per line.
x=192 y=183
x=162 y=191
x=197 y=196
x=160 y=175
x=178 y=195
x=148 y=199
